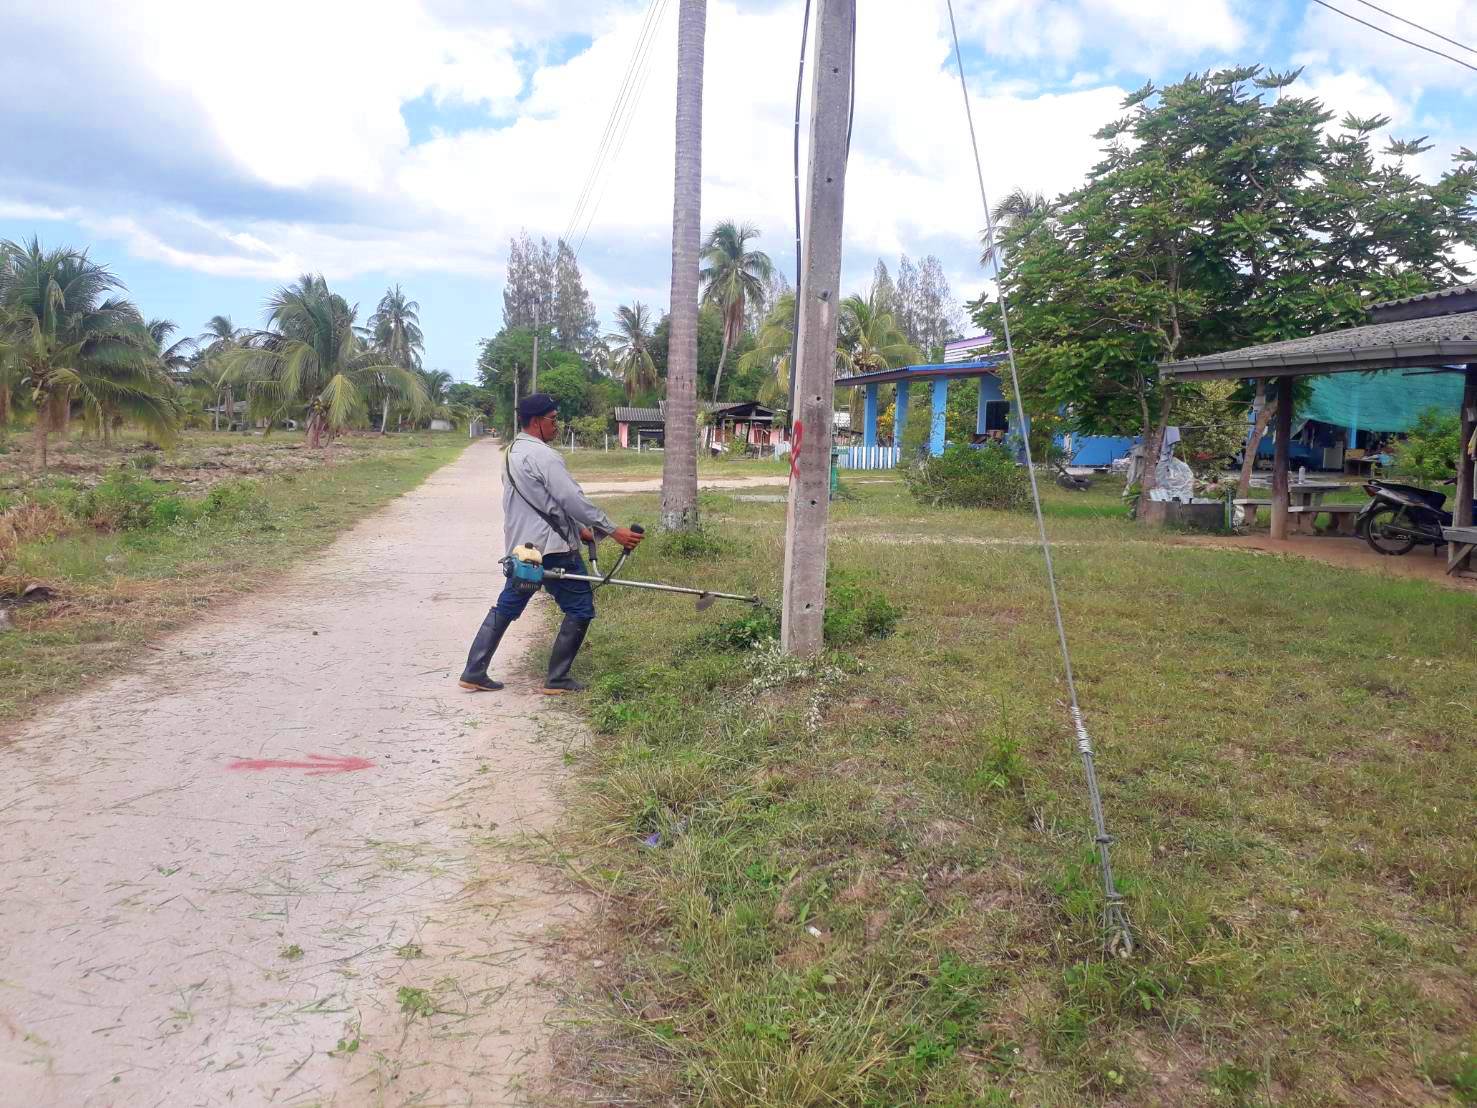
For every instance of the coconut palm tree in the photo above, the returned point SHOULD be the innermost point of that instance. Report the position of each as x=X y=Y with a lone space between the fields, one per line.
x=772 y=350
x=630 y=349
x=733 y=278
x=173 y=357
x=869 y=337
x=395 y=329
x=679 y=462
x=311 y=361
x=1014 y=212
x=72 y=342
x=211 y=371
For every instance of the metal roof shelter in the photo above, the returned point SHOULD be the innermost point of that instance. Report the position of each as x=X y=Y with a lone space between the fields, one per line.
x=1435 y=332
x=938 y=375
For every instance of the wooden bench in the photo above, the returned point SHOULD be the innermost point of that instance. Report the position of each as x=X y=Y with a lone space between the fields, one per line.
x=1461 y=542
x=1343 y=515
x=1249 y=508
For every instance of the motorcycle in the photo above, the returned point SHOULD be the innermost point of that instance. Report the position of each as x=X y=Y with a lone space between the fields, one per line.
x=1400 y=517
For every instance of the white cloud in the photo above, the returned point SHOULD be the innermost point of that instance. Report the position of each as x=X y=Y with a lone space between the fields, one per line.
x=1134 y=33
x=313 y=120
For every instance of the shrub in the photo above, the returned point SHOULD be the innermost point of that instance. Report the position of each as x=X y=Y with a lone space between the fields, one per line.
x=1430 y=449
x=123 y=502
x=970 y=477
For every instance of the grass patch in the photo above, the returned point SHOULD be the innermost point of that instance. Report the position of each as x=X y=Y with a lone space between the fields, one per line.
x=131 y=556
x=868 y=879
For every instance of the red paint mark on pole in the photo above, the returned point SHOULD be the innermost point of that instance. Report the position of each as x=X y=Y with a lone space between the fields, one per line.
x=795 y=449
x=316 y=765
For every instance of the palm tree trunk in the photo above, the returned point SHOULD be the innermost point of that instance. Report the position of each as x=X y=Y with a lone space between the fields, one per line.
x=1264 y=413
x=385 y=415
x=722 y=357
x=40 y=432
x=679 y=463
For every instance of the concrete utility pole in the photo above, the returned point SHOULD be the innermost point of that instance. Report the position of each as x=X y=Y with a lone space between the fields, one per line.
x=817 y=303
x=537 y=323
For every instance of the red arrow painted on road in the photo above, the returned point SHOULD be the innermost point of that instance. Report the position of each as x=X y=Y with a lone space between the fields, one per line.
x=317 y=764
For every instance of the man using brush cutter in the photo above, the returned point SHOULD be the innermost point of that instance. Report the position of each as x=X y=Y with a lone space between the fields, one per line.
x=545 y=509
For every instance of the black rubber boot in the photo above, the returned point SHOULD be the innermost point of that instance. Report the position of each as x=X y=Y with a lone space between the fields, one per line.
x=566 y=646
x=474 y=677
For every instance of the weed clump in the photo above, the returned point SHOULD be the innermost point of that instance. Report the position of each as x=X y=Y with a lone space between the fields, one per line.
x=856 y=611
x=970 y=477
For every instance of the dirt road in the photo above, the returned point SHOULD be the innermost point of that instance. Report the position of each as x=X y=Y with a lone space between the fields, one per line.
x=281 y=864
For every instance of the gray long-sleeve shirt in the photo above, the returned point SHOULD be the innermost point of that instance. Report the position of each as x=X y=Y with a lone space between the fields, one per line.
x=543 y=478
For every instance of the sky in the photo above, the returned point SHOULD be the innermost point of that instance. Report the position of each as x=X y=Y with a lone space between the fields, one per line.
x=209 y=152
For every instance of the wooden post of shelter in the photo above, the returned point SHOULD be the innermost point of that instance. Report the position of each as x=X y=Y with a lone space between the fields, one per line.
x=1280 y=457
x=1462 y=514
x=818 y=302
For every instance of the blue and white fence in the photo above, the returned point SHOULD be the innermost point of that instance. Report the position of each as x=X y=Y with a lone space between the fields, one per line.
x=868 y=457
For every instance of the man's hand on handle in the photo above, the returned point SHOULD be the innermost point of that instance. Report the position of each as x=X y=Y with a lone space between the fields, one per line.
x=627 y=537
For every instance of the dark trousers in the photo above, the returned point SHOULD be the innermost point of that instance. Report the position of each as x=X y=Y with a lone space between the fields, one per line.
x=575 y=598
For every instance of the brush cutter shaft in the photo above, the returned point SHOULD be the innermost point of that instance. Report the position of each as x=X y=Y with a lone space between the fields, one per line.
x=563 y=576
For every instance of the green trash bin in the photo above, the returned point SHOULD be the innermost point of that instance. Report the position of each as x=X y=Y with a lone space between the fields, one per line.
x=835 y=471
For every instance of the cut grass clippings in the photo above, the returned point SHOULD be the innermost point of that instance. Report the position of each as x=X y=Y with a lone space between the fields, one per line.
x=870 y=880
x=118 y=589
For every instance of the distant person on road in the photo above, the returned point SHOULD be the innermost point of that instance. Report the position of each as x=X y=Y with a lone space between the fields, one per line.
x=543 y=507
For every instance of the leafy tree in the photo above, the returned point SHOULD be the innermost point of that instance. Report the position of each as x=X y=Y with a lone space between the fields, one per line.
x=709 y=345
x=68 y=340
x=574 y=321
x=569 y=385
x=395 y=330
x=733 y=277
x=630 y=347
x=1219 y=216
x=473 y=397
x=311 y=361
x=528 y=291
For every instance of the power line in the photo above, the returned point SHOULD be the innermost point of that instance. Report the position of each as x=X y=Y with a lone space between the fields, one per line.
x=1115 y=918
x=1419 y=27
x=601 y=147
x=1393 y=35
x=617 y=125
x=633 y=102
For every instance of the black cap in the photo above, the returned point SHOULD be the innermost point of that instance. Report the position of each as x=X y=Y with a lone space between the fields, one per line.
x=535 y=405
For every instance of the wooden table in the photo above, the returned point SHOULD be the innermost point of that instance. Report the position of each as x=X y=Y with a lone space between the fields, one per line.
x=1306 y=497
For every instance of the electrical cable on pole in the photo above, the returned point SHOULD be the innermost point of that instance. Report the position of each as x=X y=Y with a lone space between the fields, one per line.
x=1115 y=918
x=1398 y=38
x=799 y=256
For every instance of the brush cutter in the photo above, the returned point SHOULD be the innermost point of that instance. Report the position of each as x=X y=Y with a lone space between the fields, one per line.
x=524 y=566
